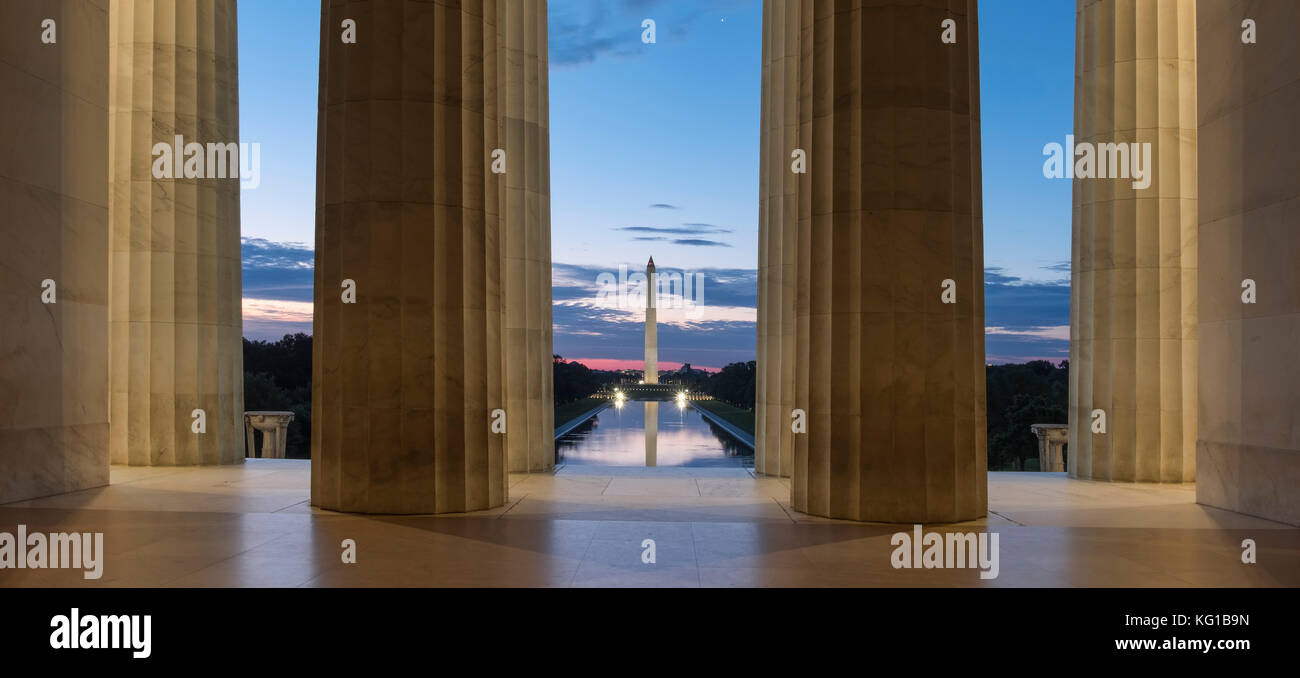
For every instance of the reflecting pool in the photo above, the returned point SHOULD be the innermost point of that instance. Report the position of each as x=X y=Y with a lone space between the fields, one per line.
x=678 y=435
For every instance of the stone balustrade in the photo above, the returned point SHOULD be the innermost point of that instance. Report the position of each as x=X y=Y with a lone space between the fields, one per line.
x=275 y=432
x=1051 y=446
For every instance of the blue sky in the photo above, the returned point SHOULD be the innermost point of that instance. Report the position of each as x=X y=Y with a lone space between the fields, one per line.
x=654 y=150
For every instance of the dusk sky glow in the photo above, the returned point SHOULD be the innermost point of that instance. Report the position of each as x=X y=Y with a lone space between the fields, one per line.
x=654 y=151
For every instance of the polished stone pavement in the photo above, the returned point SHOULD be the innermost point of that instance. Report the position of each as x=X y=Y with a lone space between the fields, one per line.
x=252 y=525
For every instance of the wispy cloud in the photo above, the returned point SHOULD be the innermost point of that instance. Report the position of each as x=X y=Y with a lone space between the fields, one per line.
x=684 y=229
x=277 y=270
x=582 y=31
x=272 y=319
x=721 y=332
x=277 y=279
x=1061 y=332
x=664 y=206
x=1025 y=320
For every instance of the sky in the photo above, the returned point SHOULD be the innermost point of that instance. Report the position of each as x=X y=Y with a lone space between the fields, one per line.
x=654 y=151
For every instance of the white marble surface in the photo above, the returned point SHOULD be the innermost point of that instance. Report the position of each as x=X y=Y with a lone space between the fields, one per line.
x=54 y=207
x=1248 y=452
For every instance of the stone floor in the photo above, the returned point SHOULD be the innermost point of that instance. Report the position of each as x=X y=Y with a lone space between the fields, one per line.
x=252 y=525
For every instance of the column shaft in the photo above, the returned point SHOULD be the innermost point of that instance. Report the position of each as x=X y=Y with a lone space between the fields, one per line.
x=405 y=379
x=891 y=376
x=778 y=220
x=54 y=202
x=176 y=324
x=1133 y=281
x=525 y=213
x=1248 y=452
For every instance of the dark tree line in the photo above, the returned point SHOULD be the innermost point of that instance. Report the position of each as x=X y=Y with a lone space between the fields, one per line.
x=734 y=384
x=277 y=377
x=688 y=378
x=574 y=381
x=1020 y=396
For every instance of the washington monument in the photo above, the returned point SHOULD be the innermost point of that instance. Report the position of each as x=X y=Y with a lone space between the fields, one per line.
x=651 y=326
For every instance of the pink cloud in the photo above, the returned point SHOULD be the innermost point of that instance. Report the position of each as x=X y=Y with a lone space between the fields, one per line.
x=618 y=364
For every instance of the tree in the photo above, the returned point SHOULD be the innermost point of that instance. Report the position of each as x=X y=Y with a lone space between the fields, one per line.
x=574 y=381
x=277 y=377
x=1020 y=396
x=734 y=384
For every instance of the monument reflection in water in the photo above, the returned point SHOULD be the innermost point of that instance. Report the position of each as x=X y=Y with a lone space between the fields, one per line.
x=677 y=435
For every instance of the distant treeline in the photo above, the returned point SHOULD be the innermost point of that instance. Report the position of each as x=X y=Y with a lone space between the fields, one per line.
x=277 y=376
x=733 y=384
x=575 y=381
x=1020 y=396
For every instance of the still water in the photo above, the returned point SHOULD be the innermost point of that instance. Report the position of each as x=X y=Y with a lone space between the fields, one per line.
x=679 y=436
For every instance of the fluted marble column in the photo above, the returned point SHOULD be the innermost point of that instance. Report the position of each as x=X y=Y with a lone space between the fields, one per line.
x=778 y=217
x=1133 y=304
x=54 y=220
x=1248 y=453
x=176 y=324
x=891 y=376
x=405 y=379
x=525 y=209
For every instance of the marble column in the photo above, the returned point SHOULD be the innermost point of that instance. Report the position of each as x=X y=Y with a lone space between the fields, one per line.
x=175 y=317
x=1248 y=452
x=405 y=380
x=1133 y=326
x=54 y=207
x=778 y=218
x=524 y=204
x=890 y=374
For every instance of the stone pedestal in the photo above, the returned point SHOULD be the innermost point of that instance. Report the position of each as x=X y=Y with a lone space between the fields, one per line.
x=406 y=379
x=176 y=341
x=1248 y=452
x=1052 y=439
x=1133 y=278
x=275 y=432
x=54 y=211
x=890 y=374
